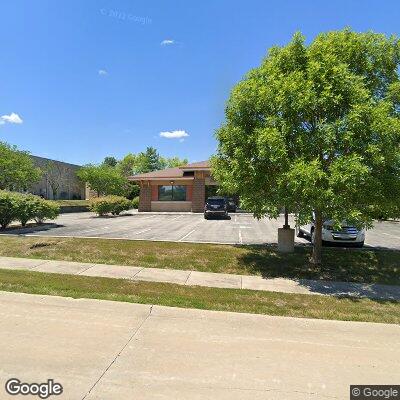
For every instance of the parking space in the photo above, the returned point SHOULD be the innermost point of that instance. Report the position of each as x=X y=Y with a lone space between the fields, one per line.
x=241 y=228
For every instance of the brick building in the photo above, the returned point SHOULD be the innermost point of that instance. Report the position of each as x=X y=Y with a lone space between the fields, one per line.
x=176 y=189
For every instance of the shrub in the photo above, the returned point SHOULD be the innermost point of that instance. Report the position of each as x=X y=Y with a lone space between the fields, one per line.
x=135 y=203
x=121 y=204
x=109 y=204
x=8 y=208
x=26 y=207
x=46 y=209
x=23 y=207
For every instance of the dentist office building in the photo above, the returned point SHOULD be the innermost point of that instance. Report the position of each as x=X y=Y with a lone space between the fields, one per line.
x=176 y=189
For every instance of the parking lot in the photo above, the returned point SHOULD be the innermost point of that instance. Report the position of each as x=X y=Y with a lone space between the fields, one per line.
x=241 y=228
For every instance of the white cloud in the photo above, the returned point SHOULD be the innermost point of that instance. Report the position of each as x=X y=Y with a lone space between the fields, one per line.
x=102 y=72
x=13 y=118
x=174 y=135
x=167 y=42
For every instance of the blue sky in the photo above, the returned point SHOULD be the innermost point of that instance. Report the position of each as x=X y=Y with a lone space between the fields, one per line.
x=95 y=78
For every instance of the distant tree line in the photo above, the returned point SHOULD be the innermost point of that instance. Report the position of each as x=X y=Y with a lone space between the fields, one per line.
x=18 y=171
x=110 y=177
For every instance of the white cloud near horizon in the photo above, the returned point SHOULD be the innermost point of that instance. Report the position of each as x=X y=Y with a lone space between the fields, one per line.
x=167 y=42
x=13 y=118
x=174 y=135
x=102 y=72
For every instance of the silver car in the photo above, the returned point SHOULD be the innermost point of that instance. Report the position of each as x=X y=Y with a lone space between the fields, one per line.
x=347 y=235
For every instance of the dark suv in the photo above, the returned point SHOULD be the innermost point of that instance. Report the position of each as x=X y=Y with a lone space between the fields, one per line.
x=215 y=206
x=230 y=204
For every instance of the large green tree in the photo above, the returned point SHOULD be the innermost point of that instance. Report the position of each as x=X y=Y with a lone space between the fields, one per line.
x=148 y=161
x=127 y=166
x=171 y=162
x=104 y=180
x=17 y=170
x=110 y=161
x=317 y=128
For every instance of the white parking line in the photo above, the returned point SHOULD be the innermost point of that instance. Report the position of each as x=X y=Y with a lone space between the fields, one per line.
x=240 y=237
x=180 y=240
x=94 y=229
x=144 y=230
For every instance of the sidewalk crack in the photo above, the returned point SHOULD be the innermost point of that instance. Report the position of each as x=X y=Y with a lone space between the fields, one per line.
x=134 y=276
x=89 y=267
x=119 y=353
x=190 y=273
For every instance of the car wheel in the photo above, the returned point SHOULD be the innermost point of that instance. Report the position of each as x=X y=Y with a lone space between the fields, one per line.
x=360 y=244
x=300 y=233
x=205 y=216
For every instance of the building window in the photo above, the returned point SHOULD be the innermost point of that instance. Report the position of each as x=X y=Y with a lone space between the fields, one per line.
x=172 y=193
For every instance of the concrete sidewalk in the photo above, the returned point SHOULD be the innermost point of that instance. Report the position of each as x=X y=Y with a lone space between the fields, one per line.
x=196 y=278
x=104 y=350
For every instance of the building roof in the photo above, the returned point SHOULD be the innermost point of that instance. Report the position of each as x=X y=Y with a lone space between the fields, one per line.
x=172 y=173
x=197 y=165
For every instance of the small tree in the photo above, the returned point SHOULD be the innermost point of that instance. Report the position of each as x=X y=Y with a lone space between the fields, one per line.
x=17 y=170
x=103 y=180
x=55 y=174
x=317 y=128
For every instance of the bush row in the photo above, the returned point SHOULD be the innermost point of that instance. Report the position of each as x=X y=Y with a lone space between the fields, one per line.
x=24 y=207
x=110 y=205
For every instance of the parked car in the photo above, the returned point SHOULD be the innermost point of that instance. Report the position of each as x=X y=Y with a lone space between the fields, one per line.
x=230 y=204
x=347 y=235
x=216 y=206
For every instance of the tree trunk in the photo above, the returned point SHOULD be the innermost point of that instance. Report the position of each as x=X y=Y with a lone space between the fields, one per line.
x=286 y=226
x=317 y=246
x=54 y=194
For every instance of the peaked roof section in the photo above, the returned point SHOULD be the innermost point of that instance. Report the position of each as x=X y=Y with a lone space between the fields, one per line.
x=172 y=173
x=197 y=165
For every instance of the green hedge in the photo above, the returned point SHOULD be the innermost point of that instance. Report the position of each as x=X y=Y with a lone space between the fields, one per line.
x=110 y=204
x=24 y=207
x=135 y=203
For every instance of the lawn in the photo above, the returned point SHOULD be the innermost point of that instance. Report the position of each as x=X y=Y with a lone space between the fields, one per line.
x=73 y=203
x=351 y=265
x=250 y=301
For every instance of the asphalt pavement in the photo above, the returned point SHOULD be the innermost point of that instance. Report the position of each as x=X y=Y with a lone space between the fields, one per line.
x=241 y=228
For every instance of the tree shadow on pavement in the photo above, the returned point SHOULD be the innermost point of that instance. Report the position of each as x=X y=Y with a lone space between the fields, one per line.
x=30 y=228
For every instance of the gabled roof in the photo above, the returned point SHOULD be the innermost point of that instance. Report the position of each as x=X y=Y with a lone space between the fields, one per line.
x=163 y=173
x=172 y=173
x=197 y=165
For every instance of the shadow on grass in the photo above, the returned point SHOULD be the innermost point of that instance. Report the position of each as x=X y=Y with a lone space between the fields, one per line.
x=338 y=264
x=353 y=290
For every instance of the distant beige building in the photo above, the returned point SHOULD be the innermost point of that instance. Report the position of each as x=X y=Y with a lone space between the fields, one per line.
x=59 y=180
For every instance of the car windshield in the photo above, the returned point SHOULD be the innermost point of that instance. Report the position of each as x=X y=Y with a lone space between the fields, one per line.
x=216 y=202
